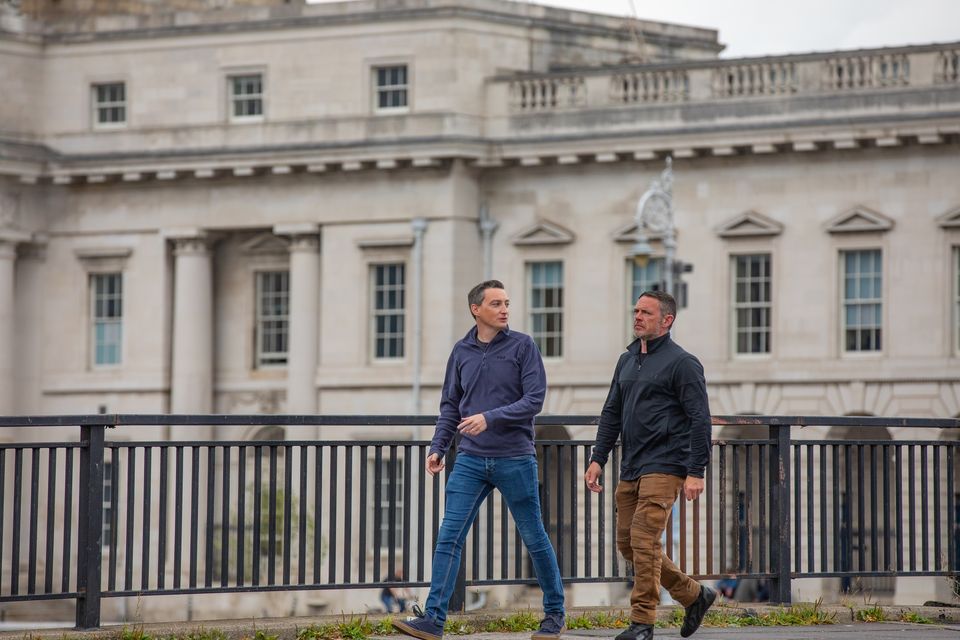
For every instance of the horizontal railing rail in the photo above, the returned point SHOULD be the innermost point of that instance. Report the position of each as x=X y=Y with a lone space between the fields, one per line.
x=103 y=518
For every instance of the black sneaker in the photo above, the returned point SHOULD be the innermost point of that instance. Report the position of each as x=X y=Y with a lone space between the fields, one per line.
x=696 y=611
x=637 y=631
x=550 y=627
x=420 y=626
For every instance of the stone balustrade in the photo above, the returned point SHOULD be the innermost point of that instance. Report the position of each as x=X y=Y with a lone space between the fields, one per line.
x=759 y=79
x=547 y=94
x=649 y=86
x=806 y=74
x=947 y=69
x=866 y=71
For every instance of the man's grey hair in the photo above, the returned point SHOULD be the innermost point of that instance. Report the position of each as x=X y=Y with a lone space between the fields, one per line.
x=668 y=304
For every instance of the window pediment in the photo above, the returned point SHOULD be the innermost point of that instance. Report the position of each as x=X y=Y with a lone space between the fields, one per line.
x=544 y=232
x=103 y=259
x=628 y=233
x=950 y=220
x=265 y=244
x=858 y=220
x=749 y=224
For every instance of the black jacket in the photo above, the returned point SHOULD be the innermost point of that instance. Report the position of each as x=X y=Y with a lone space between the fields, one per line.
x=657 y=405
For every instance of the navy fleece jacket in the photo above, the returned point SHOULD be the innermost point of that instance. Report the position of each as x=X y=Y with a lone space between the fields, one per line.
x=505 y=381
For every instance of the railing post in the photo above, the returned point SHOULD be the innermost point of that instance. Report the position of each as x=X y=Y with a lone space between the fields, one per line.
x=89 y=537
x=458 y=600
x=780 y=514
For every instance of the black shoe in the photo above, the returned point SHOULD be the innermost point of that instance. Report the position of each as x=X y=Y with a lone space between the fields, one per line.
x=696 y=611
x=551 y=627
x=637 y=631
x=420 y=626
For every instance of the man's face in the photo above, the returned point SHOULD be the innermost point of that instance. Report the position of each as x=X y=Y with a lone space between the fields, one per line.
x=648 y=321
x=494 y=311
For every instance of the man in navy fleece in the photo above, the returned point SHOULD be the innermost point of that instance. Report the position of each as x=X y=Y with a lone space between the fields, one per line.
x=494 y=386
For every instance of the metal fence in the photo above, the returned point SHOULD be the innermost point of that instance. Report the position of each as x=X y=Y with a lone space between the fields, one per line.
x=99 y=518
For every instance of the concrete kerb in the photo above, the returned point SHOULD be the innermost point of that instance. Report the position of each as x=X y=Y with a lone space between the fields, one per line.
x=287 y=628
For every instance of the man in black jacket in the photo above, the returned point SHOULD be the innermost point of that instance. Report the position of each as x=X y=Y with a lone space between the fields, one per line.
x=657 y=406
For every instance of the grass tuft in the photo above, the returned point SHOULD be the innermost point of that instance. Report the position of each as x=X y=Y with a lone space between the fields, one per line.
x=871 y=614
x=914 y=617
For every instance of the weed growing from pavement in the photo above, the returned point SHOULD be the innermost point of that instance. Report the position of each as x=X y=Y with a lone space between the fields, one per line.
x=872 y=614
x=520 y=621
x=599 y=620
x=914 y=617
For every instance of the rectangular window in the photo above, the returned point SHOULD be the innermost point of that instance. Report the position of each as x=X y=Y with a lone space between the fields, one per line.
x=109 y=104
x=862 y=303
x=246 y=96
x=956 y=298
x=106 y=306
x=390 y=468
x=751 y=303
x=108 y=489
x=546 y=307
x=273 y=317
x=389 y=308
x=391 y=87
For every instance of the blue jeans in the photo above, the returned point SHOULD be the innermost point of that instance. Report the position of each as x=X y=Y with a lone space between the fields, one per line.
x=472 y=480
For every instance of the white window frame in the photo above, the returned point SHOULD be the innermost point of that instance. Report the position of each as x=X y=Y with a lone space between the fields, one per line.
x=750 y=304
x=540 y=337
x=377 y=89
x=634 y=289
x=860 y=302
x=388 y=311
x=270 y=359
x=233 y=98
x=955 y=257
x=96 y=321
x=384 y=504
x=96 y=106
x=108 y=489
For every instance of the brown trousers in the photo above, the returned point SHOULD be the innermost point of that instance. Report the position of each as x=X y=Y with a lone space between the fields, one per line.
x=643 y=507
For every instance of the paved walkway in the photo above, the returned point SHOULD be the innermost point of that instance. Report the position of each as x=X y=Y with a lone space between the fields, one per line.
x=873 y=631
x=286 y=629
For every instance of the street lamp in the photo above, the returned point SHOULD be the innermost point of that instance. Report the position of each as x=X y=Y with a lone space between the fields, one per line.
x=655 y=212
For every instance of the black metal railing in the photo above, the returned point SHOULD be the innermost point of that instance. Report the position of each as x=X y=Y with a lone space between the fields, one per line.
x=214 y=516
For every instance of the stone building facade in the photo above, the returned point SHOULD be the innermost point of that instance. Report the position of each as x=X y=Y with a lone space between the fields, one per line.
x=235 y=211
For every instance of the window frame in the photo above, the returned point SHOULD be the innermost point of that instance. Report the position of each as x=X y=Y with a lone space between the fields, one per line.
x=96 y=105
x=95 y=321
x=372 y=311
x=532 y=311
x=633 y=292
x=233 y=98
x=259 y=355
x=735 y=306
x=379 y=500
x=955 y=281
x=843 y=302
x=376 y=89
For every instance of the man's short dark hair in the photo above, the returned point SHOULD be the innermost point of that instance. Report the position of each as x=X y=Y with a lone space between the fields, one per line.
x=476 y=294
x=668 y=304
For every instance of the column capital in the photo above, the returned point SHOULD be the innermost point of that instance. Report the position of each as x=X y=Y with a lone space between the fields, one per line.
x=304 y=236
x=188 y=240
x=9 y=239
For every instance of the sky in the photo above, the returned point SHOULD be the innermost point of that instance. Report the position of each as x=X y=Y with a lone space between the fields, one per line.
x=770 y=27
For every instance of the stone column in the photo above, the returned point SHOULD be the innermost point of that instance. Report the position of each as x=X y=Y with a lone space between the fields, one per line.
x=8 y=260
x=303 y=348
x=191 y=385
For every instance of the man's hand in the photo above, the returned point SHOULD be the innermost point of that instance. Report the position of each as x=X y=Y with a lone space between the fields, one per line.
x=692 y=487
x=473 y=425
x=434 y=464
x=592 y=477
